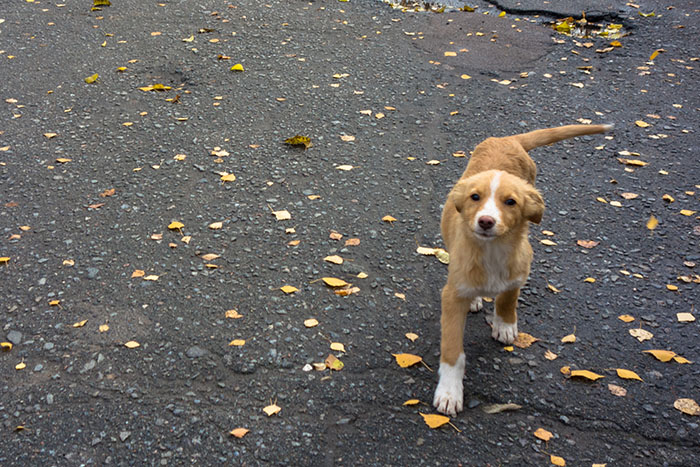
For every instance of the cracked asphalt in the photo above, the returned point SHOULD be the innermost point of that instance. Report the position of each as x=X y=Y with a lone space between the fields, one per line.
x=331 y=71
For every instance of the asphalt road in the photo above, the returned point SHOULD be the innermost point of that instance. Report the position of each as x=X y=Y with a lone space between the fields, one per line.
x=93 y=175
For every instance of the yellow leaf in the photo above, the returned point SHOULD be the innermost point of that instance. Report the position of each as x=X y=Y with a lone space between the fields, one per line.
x=442 y=256
x=189 y=39
x=50 y=135
x=272 y=409
x=362 y=275
x=299 y=140
x=92 y=78
x=570 y=339
x=687 y=406
x=237 y=342
x=237 y=67
x=175 y=225
x=151 y=277
x=426 y=251
x=548 y=242
x=450 y=54
x=216 y=225
x=655 y=54
x=687 y=212
x=103 y=328
x=337 y=347
x=626 y=318
x=508 y=348
x=502 y=14
x=652 y=223
x=411 y=336
x=121 y=69
x=335 y=259
x=662 y=355
x=549 y=355
x=54 y=302
x=681 y=360
x=311 y=322
x=434 y=420
x=80 y=324
x=6 y=346
x=524 y=340
x=388 y=218
x=411 y=402
x=565 y=370
x=345 y=168
x=347 y=138
x=406 y=359
x=556 y=460
x=228 y=178
x=641 y=334
x=552 y=288
x=543 y=434
x=685 y=317
x=672 y=287
x=20 y=366
x=333 y=363
x=4 y=259
x=646 y=15
x=334 y=282
x=586 y=374
x=210 y=257
x=288 y=289
x=616 y=44
x=668 y=198
x=635 y=162
x=132 y=345
x=233 y=314
x=641 y=124
x=590 y=280
x=628 y=374
x=465 y=76
x=239 y=432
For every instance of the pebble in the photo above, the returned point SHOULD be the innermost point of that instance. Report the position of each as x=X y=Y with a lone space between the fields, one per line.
x=92 y=273
x=15 y=337
x=196 y=352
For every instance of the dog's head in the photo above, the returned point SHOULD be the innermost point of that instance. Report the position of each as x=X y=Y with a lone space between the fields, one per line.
x=494 y=203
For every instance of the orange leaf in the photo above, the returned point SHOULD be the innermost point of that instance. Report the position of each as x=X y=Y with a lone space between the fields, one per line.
x=239 y=432
x=435 y=420
x=524 y=340
x=411 y=402
x=556 y=460
x=543 y=434
x=272 y=409
x=628 y=374
x=406 y=359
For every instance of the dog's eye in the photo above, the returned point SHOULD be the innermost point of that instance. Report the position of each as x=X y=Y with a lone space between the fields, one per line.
x=510 y=202
x=475 y=197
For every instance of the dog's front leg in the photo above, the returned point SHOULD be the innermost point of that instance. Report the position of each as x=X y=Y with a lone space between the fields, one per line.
x=505 y=318
x=449 y=393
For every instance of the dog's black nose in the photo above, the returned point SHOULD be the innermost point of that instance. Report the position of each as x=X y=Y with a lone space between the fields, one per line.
x=486 y=222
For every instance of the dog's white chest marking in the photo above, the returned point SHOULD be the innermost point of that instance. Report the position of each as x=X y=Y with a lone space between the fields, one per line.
x=494 y=261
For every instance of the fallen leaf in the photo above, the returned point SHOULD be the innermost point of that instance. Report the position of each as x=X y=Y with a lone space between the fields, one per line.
x=629 y=195
x=216 y=225
x=388 y=218
x=239 y=432
x=685 y=317
x=565 y=370
x=590 y=280
x=138 y=273
x=299 y=140
x=347 y=138
x=227 y=177
x=426 y=251
x=587 y=243
x=411 y=336
x=333 y=363
x=80 y=324
x=50 y=135
x=552 y=288
x=626 y=318
x=652 y=223
x=406 y=359
x=311 y=322
x=345 y=168
x=570 y=339
x=233 y=314
x=411 y=402
x=628 y=374
x=524 y=340
x=334 y=282
x=6 y=346
x=151 y=277
x=237 y=67
x=634 y=162
x=671 y=287
x=641 y=334
x=237 y=343
x=107 y=193
x=498 y=408
x=103 y=328
x=681 y=360
x=282 y=215
x=337 y=347
x=642 y=124
x=543 y=434
x=442 y=256
x=617 y=390
x=662 y=355
x=465 y=76
x=63 y=160
x=92 y=78
x=586 y=374
x=352 y=242
x=549 y=355
x=548 y=242
x=132 y=345
x=687 y=406
x=435 y=420
x=289 y=289
x=176 y=225
x=210 y=257
x=272 y=409
x=20 y=366
x=556 y=460
x=687 y=212
x=54 y=302
x=335 y=259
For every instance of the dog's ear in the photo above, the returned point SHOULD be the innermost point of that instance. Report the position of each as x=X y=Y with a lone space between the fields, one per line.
x=534 y=205
x=457 y=196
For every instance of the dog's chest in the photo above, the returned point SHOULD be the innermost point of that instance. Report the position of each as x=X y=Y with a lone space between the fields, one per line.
x=490 y=275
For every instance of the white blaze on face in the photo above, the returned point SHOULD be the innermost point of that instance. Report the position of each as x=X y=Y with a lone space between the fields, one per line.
x=490 y=208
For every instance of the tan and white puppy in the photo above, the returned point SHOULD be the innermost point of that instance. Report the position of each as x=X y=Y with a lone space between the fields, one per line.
x=485 y=228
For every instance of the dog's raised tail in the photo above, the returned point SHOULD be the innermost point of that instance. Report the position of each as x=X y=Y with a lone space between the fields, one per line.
x=546 y=136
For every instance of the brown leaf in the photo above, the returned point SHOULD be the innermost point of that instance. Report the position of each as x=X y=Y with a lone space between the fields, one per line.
x=524 y=340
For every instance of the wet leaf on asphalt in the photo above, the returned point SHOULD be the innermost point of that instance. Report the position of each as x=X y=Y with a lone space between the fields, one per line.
x=299 y=140
x=406 y=359
x=641 y=334
x=543 y=434
x=586 y=374
x=687 y=406
x=524 y=340
x=239 y=432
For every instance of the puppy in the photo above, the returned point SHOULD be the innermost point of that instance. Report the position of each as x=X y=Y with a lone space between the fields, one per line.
x=485 y=227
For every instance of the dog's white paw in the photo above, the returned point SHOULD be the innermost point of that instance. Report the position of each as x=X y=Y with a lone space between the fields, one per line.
x=476 y=305
x=503 y=332
x=449 y=394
